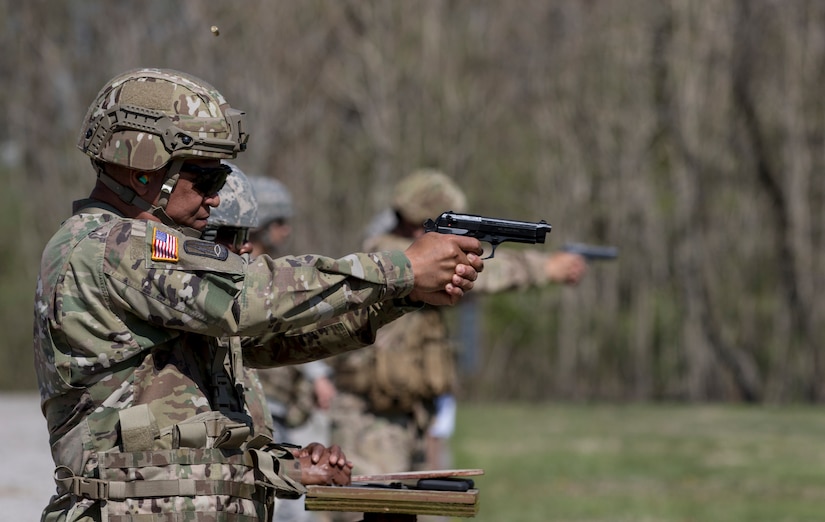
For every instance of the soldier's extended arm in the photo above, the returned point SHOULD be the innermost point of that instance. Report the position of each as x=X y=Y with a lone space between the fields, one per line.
x=323 y=339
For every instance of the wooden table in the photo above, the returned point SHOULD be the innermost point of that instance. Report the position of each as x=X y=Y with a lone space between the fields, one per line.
x=394 y=498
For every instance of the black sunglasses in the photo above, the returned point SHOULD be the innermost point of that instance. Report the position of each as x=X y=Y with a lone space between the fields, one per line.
x=208 y=180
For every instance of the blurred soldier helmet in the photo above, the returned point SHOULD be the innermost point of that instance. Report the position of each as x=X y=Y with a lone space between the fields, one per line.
x=425 y=194
x=239 y=207
x=230 y=222
x=147 y=119
x=274 y=200
x=144 y=118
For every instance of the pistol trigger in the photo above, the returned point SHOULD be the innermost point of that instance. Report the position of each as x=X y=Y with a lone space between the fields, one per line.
x=492 y=252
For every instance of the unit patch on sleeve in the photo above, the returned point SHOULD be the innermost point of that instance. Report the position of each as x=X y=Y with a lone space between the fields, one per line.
x=164 y=247
x=208 y=249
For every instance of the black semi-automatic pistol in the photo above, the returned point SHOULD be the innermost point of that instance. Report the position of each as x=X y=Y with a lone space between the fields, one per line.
x=490 y=230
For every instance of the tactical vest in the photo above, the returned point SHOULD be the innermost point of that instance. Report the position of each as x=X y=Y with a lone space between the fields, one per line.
x=412 y=361
x=219 y=465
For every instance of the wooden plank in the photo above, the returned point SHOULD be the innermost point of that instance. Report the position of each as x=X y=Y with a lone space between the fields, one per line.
x=445 y=510
x=415 y=475
x=390 y=500
x=391 y=494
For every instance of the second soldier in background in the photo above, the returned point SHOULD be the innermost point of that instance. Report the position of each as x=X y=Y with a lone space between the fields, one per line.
x=298 y=396
x=388 y=393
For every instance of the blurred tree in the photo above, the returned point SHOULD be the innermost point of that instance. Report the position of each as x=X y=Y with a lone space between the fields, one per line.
x=688 y=134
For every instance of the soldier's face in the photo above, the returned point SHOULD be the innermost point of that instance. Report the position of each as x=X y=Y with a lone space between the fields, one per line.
x=278 y=232
x=189 y=205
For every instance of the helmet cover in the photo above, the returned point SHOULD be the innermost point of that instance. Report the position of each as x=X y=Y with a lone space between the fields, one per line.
x=238 y=207
x=144 y=118
x=274 y=199
x=425 y=194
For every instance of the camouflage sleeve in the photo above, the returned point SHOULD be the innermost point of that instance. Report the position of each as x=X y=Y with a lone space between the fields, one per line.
x=512 y=269
x=314 y=289
x=324 y=339
x=199 y=286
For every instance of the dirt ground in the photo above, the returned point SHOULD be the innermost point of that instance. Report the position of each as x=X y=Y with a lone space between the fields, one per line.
x=26 y=478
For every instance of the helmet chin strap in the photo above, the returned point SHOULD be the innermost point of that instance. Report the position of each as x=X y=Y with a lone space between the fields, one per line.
x=131 y=197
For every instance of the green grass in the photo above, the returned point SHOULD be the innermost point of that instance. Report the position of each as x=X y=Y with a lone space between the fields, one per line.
x=644 y=463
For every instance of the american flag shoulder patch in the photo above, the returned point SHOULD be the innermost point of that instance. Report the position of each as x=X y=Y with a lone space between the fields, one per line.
x=164 y=247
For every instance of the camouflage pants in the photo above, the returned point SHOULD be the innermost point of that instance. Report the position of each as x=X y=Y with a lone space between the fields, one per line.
x=377 y=442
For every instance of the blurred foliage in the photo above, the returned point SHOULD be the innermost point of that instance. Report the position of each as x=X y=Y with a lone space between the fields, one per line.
x=688 y=134
x=17 y=283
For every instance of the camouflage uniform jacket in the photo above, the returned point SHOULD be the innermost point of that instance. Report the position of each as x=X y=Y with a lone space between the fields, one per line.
x=127 y=316
x=413 y=361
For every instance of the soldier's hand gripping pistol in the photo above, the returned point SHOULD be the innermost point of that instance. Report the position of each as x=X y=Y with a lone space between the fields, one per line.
x=490 y=230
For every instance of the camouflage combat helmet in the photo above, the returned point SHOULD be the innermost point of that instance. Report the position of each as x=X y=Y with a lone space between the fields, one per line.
x=239 y=207
x=274 y=200
x=425 y=194
x=146 y=119
x=237 y=214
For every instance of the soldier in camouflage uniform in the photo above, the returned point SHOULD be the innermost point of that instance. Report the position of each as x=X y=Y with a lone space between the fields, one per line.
x=387 y=393
x=231 y=223
x=298 y=395
x=147 y=417
x=275 y=215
